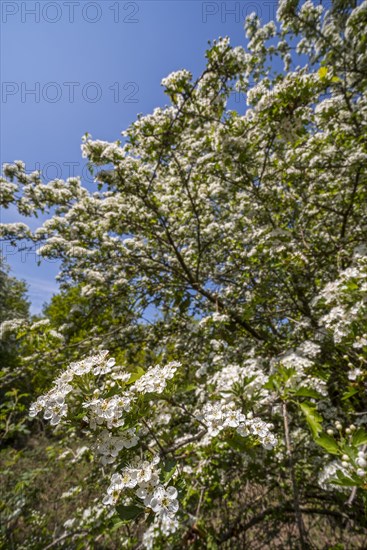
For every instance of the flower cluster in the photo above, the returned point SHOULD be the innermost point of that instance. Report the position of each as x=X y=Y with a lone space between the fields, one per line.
x=344 y=469
x=358 y=465
x=163 y=524
x=220 y=415
x=110 y=446
x=53 y=403
x=250 y=376
x=336 y=298
x=108 y=411
x=155 y=379
x=144 y=479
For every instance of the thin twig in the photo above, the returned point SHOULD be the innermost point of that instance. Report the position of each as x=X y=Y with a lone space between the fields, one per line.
x=162 y=449
x=63 y=537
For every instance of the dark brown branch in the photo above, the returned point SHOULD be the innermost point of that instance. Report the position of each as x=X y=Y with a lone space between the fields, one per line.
x=238 y=527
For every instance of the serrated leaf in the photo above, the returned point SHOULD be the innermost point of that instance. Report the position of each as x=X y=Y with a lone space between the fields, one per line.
x=359 y=437
x=328 y=443
x=313 y=418
x=127 y=513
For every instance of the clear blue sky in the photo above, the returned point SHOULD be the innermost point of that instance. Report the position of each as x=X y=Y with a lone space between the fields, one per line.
x=92 y=66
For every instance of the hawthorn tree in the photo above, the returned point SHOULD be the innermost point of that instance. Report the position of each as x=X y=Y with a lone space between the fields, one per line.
x=235 y=242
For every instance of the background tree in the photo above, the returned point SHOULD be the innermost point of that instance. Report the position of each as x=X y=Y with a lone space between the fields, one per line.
x=14 y=312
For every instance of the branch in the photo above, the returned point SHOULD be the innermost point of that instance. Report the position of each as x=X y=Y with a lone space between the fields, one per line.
x=297 y=510
x=237 y=527
x=63 y=537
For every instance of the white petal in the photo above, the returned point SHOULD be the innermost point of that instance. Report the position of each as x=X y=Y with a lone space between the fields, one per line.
x=171 y=492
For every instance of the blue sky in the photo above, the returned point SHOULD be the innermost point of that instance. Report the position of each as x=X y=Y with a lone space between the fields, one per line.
x=70 y=67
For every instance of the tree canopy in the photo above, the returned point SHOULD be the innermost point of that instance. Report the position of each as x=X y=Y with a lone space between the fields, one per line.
x=214 y=296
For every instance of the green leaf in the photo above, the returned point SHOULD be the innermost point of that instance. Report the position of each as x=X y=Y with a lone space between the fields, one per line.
x=128 y=513
x=169 y=468
x=136 y=375
x=269 y=385
x=307 y=392
x=117 y=525
x=210 y=542
x=322 y=72
x=336 y=481
x=350 y=393
x=313 y=418
x=359 y=437
x=328 y=443
x=286 y=373
x=239 y=443
x=352 y=285
x=189 y=387
x=343 y=480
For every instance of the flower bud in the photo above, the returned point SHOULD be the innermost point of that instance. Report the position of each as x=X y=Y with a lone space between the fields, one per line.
x=361 y=473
